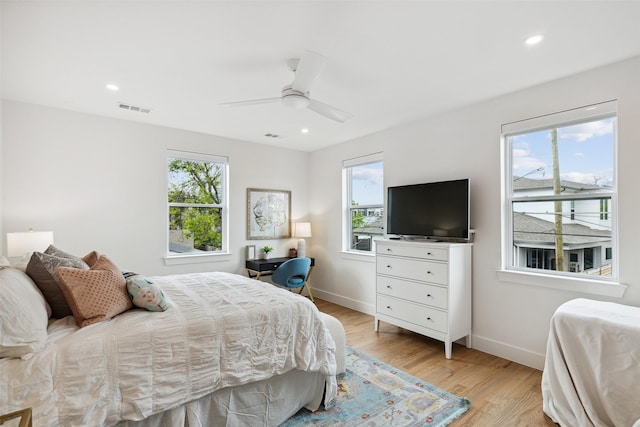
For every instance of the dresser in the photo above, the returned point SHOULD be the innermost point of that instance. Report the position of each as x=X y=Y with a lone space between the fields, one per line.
x=425 y=287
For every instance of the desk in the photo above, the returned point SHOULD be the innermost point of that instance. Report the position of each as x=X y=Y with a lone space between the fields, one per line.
x=256 y=268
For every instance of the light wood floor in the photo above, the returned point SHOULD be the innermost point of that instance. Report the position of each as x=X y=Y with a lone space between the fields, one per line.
x=502 y=393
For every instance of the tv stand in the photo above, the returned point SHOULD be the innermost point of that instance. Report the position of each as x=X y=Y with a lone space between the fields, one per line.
x=425 y=287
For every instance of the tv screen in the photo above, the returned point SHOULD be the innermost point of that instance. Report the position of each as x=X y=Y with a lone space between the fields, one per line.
x=437 y=210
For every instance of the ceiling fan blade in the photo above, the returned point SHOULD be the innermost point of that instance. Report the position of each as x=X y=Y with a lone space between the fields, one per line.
x=250 y=102
x=309 y=67
x=329 y=111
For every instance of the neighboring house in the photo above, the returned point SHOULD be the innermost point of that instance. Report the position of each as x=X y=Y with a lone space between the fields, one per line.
x=372 y=229
x=586 y=228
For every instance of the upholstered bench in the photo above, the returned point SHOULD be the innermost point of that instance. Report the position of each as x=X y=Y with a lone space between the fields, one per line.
x=337 y=333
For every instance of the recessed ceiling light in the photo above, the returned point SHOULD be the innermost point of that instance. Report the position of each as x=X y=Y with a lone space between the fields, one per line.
x=304 y=130
x=532 y=40
x=112 y=87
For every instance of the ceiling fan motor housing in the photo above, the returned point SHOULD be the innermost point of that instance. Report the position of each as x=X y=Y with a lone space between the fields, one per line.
x=294 y=98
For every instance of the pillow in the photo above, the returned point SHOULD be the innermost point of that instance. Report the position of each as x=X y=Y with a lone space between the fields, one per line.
x=23 y=315
x=91 y=258
x=96 y=294
x=42 y=269
x=146 y=294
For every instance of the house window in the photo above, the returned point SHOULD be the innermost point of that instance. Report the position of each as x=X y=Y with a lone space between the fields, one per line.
x=197 y=203
x=604 y=209
x=363 y=202
x=560 y=193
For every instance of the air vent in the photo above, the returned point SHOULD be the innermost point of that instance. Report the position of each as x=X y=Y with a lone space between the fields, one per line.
x=124 y=106
x=271 y=135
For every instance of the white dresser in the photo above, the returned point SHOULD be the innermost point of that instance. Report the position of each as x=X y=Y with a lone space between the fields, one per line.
x=425 y=287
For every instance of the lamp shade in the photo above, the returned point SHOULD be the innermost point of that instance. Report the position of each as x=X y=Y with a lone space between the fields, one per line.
x=22 y=243
x=302 y=229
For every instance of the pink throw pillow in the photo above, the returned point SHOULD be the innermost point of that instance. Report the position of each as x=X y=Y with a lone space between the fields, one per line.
x=97 y=294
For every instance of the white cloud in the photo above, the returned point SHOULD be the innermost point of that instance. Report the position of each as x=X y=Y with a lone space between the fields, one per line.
x=367 y=175
x=523 y=160
x=584 y=131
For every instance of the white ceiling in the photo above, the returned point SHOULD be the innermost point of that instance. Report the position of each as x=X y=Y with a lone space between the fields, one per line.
x=390 y=62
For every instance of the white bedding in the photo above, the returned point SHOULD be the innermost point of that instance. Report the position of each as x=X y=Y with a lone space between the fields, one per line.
x=221 y=330
x=591 y=375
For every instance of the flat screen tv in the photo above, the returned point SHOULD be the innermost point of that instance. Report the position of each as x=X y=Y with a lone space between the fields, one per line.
x=434 y=210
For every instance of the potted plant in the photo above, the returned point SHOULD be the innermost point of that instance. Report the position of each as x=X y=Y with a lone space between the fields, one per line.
x=265 y=250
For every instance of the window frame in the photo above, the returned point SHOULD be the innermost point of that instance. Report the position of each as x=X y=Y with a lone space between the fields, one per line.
x=600 y=285
x=188 y=257
x=348 y=208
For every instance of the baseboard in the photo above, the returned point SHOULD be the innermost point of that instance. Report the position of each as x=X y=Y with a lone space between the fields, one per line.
x=345 y=302
x=509 y=352
x=486 y=345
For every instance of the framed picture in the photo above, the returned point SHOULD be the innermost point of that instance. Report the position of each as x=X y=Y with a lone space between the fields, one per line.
x=268 y=214
x=251 y=252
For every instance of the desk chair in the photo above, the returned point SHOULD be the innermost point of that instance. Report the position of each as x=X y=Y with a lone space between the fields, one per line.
x=293 y=274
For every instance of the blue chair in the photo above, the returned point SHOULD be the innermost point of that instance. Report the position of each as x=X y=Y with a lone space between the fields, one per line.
x=293 y=274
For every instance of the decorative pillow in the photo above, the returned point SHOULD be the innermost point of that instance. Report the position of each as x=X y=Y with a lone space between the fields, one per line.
x=42 y=269
x=91 y=258
x=146 y=294
x=96 y=294
x=23 y=315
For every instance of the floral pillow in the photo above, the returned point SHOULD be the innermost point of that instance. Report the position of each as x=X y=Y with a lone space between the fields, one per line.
x=146 y=294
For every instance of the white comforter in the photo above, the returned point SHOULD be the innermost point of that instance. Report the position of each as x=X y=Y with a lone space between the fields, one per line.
x=221 y=330
x=591 y=375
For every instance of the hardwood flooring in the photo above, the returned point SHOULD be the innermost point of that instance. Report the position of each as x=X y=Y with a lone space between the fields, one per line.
x=502 y=393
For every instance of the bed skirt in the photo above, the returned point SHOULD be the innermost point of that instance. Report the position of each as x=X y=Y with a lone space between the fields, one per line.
x=263 y=403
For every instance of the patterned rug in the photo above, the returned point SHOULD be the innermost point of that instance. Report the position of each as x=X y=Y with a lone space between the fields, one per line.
x=372 y=393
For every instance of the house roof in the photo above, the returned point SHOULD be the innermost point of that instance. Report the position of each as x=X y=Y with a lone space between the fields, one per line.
x=531 y=230
x=520 y=184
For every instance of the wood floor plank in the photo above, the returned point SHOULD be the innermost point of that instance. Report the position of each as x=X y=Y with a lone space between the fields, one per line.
x=502 y=393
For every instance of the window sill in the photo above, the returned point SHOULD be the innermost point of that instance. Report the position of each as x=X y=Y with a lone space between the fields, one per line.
x=585 y=286
x=196 y=259
x=359 y=256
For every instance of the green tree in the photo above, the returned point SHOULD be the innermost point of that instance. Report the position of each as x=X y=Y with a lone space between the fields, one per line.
x=357 y=217
x=197 y=183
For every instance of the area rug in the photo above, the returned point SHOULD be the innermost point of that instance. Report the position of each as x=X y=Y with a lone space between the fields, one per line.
x=372 y=393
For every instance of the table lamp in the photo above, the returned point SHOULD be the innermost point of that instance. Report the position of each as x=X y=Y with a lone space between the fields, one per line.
x=302 y=230
x=22 y=244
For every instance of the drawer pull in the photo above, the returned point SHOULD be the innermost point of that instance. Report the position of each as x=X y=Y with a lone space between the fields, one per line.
x=429 y=296
x=388 y=266
x=388 y=307
x=388 y=286
x=429 y=253
x=428 y=318
x=428 y=272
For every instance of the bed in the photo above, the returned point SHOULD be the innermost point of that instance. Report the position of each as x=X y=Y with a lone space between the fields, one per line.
x=229 y=350
x=591 y=375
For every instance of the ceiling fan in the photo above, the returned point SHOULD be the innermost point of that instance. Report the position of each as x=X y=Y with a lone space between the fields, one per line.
x=296 y=94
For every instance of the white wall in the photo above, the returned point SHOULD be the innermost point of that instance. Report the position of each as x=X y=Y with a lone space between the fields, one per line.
x=100 y=184
x=509 y=320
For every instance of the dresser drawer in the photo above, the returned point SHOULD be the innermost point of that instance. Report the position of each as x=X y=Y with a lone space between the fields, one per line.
x=413 y=313
x=418 y=292
x=417 y=251
x=427 y=271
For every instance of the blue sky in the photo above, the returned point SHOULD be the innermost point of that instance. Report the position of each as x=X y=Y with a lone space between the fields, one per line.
x=367 y=184
x=585 y=151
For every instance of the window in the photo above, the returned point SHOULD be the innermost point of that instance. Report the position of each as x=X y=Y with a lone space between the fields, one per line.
x=560 y=193
x=197 y=201
x=364 y=202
